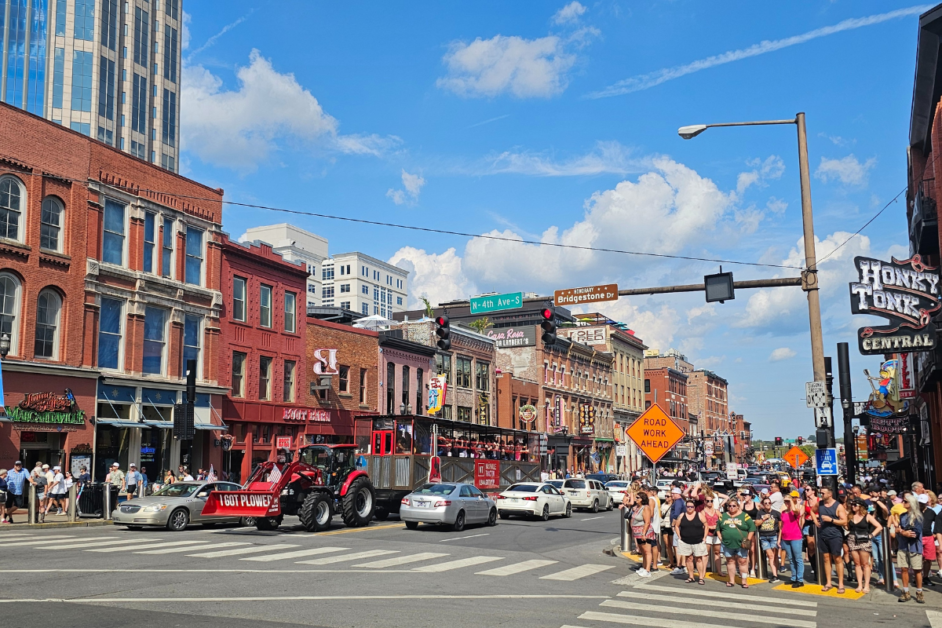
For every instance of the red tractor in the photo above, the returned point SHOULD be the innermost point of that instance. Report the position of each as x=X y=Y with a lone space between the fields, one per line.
x=323 y=481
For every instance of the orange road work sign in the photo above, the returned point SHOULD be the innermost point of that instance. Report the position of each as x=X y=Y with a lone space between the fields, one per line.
x=796 y=457
x=654 y=433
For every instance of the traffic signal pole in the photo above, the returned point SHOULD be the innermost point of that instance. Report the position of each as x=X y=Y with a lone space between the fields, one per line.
x=847 y=405
x=828 y=441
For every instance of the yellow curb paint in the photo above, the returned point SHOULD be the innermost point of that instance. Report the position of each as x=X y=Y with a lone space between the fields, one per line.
x=365 y=529
x=750 y=581
x=814 y=589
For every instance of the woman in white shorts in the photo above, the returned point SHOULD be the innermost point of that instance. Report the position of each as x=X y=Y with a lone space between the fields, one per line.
x=690 y=530
x=711 y=516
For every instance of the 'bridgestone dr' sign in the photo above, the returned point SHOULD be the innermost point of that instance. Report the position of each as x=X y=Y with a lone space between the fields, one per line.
x=654 y=433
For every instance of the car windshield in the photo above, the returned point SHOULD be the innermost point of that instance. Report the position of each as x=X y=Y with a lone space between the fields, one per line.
x=436 y=489
x=664 y=483
x=177 y=490
x=575 y=483
x=523 y=488
x=616 y=485
x=556 y=483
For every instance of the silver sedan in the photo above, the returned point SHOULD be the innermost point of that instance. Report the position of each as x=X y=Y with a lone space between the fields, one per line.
x=174 y=507
x=453 y=504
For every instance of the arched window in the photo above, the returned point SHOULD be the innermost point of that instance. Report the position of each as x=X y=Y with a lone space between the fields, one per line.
x=10 y=310
x=48 y=308
x=12 y=203
x=50 y=226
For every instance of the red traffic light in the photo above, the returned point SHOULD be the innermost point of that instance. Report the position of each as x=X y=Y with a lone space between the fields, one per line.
x=441 y=321
x=547 y=314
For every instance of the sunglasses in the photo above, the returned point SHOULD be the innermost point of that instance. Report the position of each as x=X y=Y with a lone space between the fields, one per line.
x=691 y=506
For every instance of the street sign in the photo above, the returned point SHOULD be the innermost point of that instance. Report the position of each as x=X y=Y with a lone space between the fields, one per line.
x=816 y=394
x=654 y=433
x=825 y=461
x=496 y=302
x=589 y=294
x=621 y=450
x=732 y=471
x=822 y=417
x=796 y=457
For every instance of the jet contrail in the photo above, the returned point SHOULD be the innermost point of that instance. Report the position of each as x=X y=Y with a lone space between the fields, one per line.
x=646 y=81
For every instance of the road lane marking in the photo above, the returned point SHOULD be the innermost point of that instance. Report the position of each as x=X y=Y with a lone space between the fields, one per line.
x=309 y=598
x=45 y=540
x=308 y=552
x=99 y=543
x=174 y=550
x=510 y=570
x=750 y=618
x=577 y=572
x=935 y=618
x=401 y=560
x=106 y=550
x=364 y=529
x=740 y=604
x=457 y=564
x=725 y=596
x=655 y=622
x=346 y=557
x=591 y=519
x=461 y=538
x=244 y=550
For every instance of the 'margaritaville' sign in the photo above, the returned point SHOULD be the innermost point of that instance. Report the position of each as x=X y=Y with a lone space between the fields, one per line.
x=906 y=294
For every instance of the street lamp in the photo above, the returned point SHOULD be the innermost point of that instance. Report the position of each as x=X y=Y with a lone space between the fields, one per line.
x=810 y=275
x=4 y=346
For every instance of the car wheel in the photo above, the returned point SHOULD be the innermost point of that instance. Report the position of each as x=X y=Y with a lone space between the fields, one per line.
x=492 y=517
x=412 y=525
x=595 y=506
x=545 y=515
x=611 y=504
x=568 y=510
x=458 y=525
x=248 y=521
x=178 y=520
x=381 y=513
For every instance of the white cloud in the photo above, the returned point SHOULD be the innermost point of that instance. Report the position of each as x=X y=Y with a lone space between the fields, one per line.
x=837 y=140
x=776 y=205
x=186 y=30
x=569 y=13
x=652 y=79
x=605 y=158
x=526 y=68
x=212 y=40
x=438 y=277
x=239 y=128
x=771 y=168
x=848 y=170
x=413 y=185
x=782 y=353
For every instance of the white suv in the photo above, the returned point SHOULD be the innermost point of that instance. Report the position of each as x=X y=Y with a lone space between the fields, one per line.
x=589 y=494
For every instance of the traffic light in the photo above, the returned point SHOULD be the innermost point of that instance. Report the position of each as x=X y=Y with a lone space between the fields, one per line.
x=548 y=325
x=444 y=332
x=778 y=441
x=801 y=440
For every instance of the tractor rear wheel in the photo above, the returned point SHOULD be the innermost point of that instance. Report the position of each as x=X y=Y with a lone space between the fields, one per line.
x=316 y=512
x=268 y=523
x=359 y=502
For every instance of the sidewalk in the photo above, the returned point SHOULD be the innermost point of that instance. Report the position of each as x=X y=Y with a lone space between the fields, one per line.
x=52 y=521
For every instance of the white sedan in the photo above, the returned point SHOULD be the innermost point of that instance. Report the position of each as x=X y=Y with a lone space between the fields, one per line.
x=535 y=499
x=617 y=489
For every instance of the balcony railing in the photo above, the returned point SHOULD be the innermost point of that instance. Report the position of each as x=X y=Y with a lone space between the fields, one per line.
x=924 y=228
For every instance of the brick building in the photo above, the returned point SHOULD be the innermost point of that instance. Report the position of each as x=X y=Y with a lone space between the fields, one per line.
x=405 y=367
x=668 y=388
x=262 y=358
x=109 y=268
x=707 y=394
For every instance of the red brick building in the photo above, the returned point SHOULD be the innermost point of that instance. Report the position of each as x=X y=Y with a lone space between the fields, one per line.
x=667 y=388
x=263 y=327
x=109 y=273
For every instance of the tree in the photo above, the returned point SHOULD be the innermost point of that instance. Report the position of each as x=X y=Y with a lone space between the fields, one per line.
x=480 y=325
x=428 y=307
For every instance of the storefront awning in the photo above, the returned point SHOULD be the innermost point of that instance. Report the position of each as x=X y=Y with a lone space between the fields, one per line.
x=5 y=419
x=210 y=426
x=164 y=425
x=122 y=423
x=604 y=440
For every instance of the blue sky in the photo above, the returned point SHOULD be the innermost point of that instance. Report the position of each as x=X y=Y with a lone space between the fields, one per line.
x=557 y=122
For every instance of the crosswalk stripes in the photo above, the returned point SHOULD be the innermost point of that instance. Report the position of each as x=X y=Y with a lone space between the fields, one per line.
x=401 y=560
x=38 y=541
x=741 y=603
x=577 y=572
x=457 y=564
x=175 y=550
x=765 y=599
x=256 y=549
x=515 y=568
x=758 y=618
x=296 y=554
x=146 y=546
x=330 y=560
x=98 y=543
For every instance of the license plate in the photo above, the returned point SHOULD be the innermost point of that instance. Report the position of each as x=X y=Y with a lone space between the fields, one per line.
x=423 y=504
x=573 y=492
x=515 y=499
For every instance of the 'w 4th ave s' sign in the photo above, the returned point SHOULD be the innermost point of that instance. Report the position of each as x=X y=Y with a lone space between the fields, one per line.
x=906 y=294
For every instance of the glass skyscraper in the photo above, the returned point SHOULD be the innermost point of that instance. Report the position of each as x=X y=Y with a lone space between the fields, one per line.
x=109 y=69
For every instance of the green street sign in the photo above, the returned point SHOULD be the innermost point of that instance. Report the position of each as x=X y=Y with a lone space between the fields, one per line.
x=496 y=302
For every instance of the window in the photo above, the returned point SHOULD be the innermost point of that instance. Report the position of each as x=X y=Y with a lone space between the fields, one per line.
x=365 y=290
x=328 y=273
x=166 y=249
x=291 y=307
x=171 y=8
x=109 y=23
x=194 y=256
x=647 y=385
x=464 y=414
x=138 y=105
x=169 y=127
x=365 y=308
x=344 y=380
x=50 y=224
x=327 y=292
x=238 y=374
x=362 y=386
x=482 y=377
x=61 y=8
x=106 y=88
x=345 y=305
x=48 y=307
x=149 y=229
x=155 y=330
x=443 y=366
x=463 y=372
x=405 y=385
x=398 y=300
x=264 y=306
x=390 y=388
x=344 y=287
x=84 y=20
x=112 y=250
x=81 y=80
x=84 y=128
x=109 y=333
x=264 y=378
x=141 y=32
x=288 y=391
x=58 y=74
x=419 y=374
x=191 y=340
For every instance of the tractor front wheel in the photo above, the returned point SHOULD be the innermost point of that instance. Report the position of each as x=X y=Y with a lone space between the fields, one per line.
x=268 y=523
x=358 y=503
x=316 y=512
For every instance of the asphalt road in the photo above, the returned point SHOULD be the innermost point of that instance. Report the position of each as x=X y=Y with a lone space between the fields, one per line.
x=519 y=573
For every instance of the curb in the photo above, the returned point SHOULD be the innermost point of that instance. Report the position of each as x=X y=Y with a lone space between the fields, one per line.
x=94 y=523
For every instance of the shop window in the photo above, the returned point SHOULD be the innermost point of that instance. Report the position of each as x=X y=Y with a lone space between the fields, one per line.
x=238 y=374
x=363 y=386
x=155 y=332
x=264 y=378
x=109 y=333
x=344 y=380
x=48 y=308
x=288 y=392
x=238 y=299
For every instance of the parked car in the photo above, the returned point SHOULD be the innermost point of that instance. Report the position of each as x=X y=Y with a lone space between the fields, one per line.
x=664 y=488
x=451 y=504
x=536 y=499
x=587 y=494
x=175 y=506
x=602 y=477
x=617 y=489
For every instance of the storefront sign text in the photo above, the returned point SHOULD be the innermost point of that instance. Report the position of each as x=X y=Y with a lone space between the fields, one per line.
x=303 y=414
x=49 y=409
x=511 y=337
x=487 y=474
x=588 y=335
x=325 y=362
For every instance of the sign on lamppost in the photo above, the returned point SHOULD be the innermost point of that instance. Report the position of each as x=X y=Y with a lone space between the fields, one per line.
x=496 y=302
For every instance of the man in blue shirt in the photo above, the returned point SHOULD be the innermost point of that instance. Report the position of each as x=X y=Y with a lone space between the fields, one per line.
x=16 y=482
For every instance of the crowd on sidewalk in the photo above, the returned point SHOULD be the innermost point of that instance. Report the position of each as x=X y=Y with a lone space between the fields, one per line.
x=786 y=526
